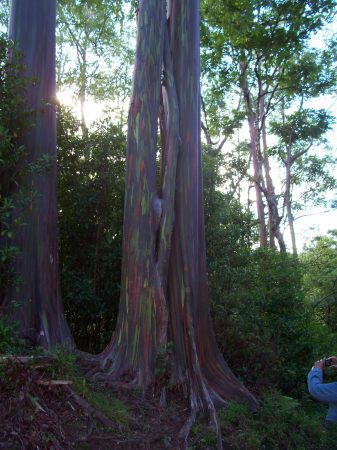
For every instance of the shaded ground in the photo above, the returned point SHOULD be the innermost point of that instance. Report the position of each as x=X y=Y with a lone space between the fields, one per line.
x=37 y=414
x=46 y=403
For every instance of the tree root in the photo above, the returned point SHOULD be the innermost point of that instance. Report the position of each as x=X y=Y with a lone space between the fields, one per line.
x=186 y=429
x=90 y=429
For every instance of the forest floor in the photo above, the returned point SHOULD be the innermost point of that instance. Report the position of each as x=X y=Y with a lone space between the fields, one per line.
x=38 y=410
x=47 y=403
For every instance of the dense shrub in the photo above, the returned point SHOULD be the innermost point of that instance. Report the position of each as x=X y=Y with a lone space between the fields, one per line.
x=91 y=193
x=11 y=153
x=266 y=330
x=319 y=260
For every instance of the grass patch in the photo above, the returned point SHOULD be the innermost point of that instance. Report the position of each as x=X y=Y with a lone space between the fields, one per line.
x=65 y=366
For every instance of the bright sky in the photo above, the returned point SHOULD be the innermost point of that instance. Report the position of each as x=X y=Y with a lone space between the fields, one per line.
x=92 y=110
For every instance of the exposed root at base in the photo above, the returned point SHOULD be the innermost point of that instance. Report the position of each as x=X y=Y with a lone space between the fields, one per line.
x=188 y=425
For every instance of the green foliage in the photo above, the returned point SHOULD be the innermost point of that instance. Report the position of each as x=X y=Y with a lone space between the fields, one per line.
x=265 y=329
x=263 y=326
x=64 y=363
x=17 y=195
x=281 y=423
x=298 y=133
x=64 y=366
x=14 y=194
x=202 y=437
x=91 y=196
x=4 y=13
x=109 y=405
x=258 y=54
x=8 y=342
x=99 y=35
x=303 y=126
x=320 y=278
x=10 y=154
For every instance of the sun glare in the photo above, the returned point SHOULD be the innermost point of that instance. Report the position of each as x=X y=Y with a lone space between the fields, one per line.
x=93 y=110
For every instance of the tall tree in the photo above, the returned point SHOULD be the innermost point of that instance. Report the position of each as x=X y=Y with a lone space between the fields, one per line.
x=164 y=283
x=266 y=46
x=94 y=56
x=37 y=305
x=298 y=133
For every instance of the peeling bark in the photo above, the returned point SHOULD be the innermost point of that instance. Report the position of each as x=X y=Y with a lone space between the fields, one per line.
x=141 y=319
x=39 y=308
x=164 y=277
x=196 y=353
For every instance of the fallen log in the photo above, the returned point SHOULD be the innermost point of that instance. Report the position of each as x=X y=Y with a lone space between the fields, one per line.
x=25 y=359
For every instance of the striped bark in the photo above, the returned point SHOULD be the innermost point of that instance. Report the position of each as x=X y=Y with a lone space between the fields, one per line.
x=37 y=304
x=164 y=279
x=164 y=259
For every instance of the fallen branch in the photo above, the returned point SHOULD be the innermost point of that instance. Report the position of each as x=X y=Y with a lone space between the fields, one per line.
x=25 y=359
x=89 y=409
x=55 y=383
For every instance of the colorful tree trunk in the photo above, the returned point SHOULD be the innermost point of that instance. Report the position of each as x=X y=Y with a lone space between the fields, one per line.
x=198 y=359
x=39 y=308
x=164 y=278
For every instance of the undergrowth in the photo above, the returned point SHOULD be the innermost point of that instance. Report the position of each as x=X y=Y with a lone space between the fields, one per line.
x=64 y=366
x=282 y=423
x=9 y=343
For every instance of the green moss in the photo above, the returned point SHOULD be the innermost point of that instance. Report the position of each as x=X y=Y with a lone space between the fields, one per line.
x=108 y=405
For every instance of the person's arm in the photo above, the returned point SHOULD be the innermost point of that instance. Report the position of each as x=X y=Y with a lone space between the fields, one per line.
x=324 y=392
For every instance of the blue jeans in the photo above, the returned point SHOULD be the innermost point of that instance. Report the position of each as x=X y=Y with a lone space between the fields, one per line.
x=323 y=392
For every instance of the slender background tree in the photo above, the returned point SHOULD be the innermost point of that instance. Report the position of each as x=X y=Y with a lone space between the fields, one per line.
x=261 y=54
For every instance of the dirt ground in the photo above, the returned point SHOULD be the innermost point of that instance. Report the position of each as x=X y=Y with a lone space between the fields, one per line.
x=37 y=413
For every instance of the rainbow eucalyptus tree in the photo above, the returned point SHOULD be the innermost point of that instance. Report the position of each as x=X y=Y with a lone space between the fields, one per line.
x=37 y=304
x=164 y=283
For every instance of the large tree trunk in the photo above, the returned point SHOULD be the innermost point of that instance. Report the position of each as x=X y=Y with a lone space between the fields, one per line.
x=38 y=305
x=164 y=261
x=198 y=359
x=142 y=311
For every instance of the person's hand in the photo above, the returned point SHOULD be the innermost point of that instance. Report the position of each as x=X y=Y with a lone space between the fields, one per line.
x=333 y=361
x=320 y=364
